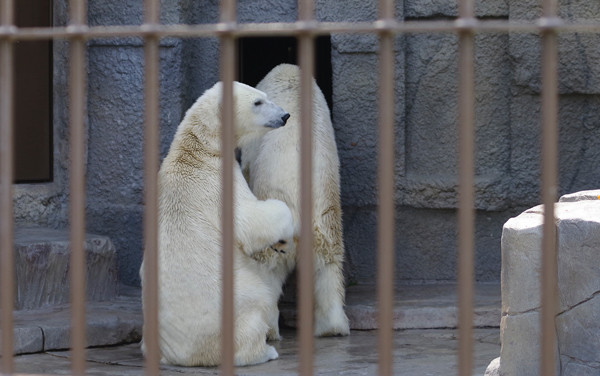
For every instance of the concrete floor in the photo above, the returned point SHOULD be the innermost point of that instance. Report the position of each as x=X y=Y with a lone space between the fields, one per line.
x=418 y=352
x=425 y=342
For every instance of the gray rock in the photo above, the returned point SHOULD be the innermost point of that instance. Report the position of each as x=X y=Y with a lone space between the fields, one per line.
x=581 y=196
x=577 y=329
x=571 y=367
x=521 y=344
x=521 y=244
x=579 y=256
x=493 y=369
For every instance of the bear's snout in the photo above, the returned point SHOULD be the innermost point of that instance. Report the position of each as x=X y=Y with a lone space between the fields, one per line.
x=285 y=118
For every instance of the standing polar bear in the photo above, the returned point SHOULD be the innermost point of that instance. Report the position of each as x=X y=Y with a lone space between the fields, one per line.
x=272 y=166
x=190 y=236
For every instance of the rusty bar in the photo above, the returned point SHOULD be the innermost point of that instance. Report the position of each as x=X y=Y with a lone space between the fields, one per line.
x=292 y=29
x=386 y=204
x=7 y=273
x=305 y=256
x=228 y=58
x=549 y=166
x=77 y=84
x=466 y=187
x=151 y=166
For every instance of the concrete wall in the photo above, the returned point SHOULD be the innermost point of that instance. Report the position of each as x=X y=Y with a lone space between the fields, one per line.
x=508 y=126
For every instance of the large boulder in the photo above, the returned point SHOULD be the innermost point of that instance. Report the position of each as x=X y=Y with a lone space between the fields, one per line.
x=578 y=318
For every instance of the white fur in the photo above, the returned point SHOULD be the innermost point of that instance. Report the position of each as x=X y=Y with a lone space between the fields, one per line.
x=190 y=237
x=272 y=166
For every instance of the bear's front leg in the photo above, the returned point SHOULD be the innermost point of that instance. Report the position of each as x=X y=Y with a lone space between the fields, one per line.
x=264 y=225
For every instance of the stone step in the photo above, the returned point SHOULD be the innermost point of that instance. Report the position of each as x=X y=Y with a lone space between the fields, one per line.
x=425 y=306
x=42 y=259
x=108 y=323
x=416 y=306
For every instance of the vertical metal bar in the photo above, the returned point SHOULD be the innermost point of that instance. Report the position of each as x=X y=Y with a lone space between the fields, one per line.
x=6 y=192
x=549 y=190
x=386 y=205
x=151 y=166
x=305 y=256
x=466 y=191
x=228 y=64
x=77 y=83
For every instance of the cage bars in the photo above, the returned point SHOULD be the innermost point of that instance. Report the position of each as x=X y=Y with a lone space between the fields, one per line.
x=466 y=184
x=77 y=142
x=306 y=28
x=549 y=167
x=151 y=166
x=7 y=295
x=227 y=64
x=386 y=193
x=306 y=56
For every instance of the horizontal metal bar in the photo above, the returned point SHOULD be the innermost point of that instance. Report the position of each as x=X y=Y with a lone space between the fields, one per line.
x=293 y=28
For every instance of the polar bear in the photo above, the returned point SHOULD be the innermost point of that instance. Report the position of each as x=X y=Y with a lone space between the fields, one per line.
x=189 y=236
x=272 y=165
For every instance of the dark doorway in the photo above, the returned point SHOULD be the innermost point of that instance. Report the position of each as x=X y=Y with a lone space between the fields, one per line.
x=33 y=96
x=258 y=55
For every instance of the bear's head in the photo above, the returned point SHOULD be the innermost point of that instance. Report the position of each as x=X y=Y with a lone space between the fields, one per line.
x=255 y=114
x=253 y=108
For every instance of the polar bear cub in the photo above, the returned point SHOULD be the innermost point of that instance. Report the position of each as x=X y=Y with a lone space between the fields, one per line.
x=190 y=236
x=272 y=166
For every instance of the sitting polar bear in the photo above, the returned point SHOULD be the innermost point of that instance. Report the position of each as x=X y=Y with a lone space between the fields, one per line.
x=272 y=166
x=190 y=236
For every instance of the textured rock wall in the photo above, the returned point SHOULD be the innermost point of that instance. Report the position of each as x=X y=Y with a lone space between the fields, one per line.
x=507 y=125
x=426 y=141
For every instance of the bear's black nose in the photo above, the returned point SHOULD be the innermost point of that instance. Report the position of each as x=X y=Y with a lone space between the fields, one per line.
x=285 y=117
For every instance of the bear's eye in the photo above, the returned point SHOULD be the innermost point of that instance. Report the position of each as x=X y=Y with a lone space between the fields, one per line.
x=258 y=102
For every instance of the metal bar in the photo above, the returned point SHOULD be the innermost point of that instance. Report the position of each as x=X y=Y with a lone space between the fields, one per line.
x=293 y=28
x=7 y=264
x=466 y=191
x=151 y=166
x=77 y=83
x=549 y=283
x=386 y=205
x=306 y=53
x=227 y=64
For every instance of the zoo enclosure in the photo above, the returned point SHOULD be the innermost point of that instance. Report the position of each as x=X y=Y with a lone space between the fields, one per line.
x=77 y=33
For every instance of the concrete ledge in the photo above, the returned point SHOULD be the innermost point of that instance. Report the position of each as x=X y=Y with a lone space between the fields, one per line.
x=42 y=259
x=119 y=321
x=108 y=323
x=426 y=306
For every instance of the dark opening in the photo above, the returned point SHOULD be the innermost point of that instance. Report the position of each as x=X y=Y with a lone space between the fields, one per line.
x=33 y=96
x=258 y=55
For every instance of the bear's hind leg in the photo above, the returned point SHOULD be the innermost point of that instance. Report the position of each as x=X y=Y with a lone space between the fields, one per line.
x=330 y=318
x=251 y=340
x=273 y=321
